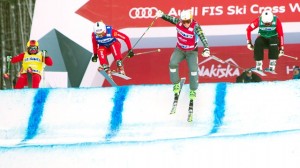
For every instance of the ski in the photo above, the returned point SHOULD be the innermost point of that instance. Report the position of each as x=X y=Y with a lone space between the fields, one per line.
x=271 y=72
x=176 y=97
x=115 y=73
x=261 y=73
x=109 y=79
x=191 y=110
x=29 y=79
x=274 y=73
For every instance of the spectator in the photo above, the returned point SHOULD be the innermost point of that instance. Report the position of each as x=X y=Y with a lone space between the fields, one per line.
x=296 y=74
x=247 y=77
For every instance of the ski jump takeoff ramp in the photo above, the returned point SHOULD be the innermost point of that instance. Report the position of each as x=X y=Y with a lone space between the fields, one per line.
x=234 y=125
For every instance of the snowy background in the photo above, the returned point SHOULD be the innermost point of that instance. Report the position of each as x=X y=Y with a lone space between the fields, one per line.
x=234 y=126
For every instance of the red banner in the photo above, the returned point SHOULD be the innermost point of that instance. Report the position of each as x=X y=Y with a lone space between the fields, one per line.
x=211 y=12
x=153 y=68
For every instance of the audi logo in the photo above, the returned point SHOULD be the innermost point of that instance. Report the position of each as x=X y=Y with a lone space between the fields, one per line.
x=143 y=13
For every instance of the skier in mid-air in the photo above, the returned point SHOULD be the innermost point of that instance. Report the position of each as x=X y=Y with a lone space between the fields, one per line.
x=188 y=34
x=270 y=37
x=105 y=42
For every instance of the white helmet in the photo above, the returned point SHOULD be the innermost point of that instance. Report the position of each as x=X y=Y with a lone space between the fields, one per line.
x=186 y=15
x=99 y=28
x=267 y=17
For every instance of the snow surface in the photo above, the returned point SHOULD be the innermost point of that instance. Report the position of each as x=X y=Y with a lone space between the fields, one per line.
x=234 y=126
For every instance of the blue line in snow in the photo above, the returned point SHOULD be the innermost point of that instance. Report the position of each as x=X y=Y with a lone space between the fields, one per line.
x=36 y=113
x=219 y=111
x=116 y=114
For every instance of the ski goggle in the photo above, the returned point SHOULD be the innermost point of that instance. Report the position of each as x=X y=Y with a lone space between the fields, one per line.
x=33 y=49
x=268 y=24
x=100 y=33
x=186 y=21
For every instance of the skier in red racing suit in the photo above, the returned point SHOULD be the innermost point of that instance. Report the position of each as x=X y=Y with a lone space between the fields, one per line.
x=32 y=61
x=104 y=39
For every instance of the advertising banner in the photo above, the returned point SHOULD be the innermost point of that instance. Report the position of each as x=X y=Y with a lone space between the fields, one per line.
x=210 y=12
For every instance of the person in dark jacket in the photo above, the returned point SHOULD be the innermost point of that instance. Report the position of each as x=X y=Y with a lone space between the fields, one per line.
x=247 y=77
x=296 y=72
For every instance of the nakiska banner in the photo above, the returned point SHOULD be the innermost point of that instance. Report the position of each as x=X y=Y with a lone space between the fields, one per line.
x=210 y=12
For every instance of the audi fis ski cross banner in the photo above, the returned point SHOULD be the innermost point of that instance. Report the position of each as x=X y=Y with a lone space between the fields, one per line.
x=67 y=32
x=212 y=12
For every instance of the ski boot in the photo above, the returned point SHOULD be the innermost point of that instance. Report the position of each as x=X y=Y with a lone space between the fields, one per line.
x=120 y=67
x=106 y=69
x=272 y=66
x=176 y=88
x=270 y=69
x=258 y=66
x=192 y=94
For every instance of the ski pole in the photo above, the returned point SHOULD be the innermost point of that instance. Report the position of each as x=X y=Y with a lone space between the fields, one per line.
x=44 y=65
x=244 y=70
x=151 y=24
x=295 y=58
x=147 y=52
x=219 y=59
x=145 y=32
x=8 y=63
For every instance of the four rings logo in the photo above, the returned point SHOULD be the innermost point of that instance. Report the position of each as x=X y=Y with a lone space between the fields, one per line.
x=143 y=13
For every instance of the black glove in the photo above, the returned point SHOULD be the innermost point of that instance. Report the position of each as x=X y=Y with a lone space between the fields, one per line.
x=281 y=53
x=130 y=53
x=94 y=58
x=250 y=45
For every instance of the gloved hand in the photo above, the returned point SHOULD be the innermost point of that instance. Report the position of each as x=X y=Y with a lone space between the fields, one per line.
x=8 y=58
x=130 y=53
x=95 y=58
x=206 y=52
x=29 y=69
x=6 y=75
x=281 y=53
x=44 y=52
x=250 y=46
x=159 y=13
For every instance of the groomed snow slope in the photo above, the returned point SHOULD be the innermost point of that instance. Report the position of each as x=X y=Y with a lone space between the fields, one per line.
x=234 y=126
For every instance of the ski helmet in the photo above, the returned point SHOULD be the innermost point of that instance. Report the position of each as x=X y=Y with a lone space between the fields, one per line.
x=186 y=16
x=100 y=28
x=32 y=47
x=267 y=17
